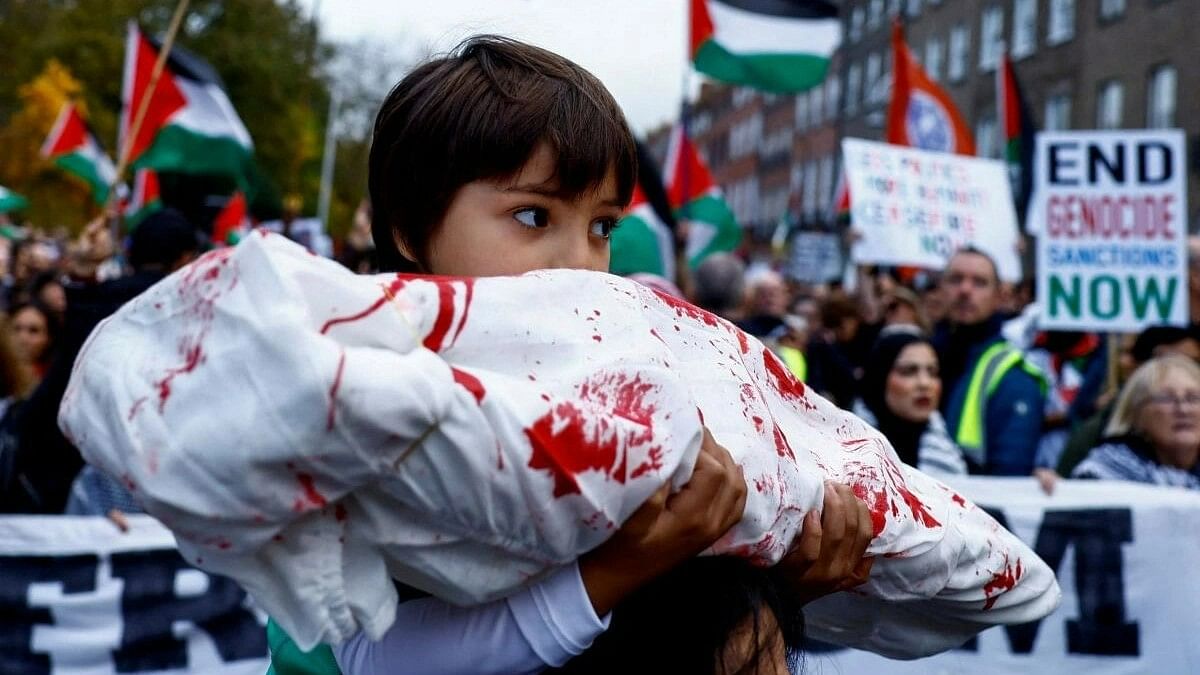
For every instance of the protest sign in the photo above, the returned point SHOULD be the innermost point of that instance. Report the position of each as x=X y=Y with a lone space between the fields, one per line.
x=1123 y=554
x=1110 y=209
x=79 y=596
x=815 y=257
x=916 y=208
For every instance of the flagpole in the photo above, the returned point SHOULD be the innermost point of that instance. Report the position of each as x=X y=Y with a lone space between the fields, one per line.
x=324 y=197
x=682 y=272
x=144 y=104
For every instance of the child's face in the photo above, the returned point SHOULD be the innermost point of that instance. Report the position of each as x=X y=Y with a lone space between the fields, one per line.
x=517 y=225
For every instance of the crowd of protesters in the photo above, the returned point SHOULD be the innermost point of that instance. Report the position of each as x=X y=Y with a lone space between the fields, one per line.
x=950 y=365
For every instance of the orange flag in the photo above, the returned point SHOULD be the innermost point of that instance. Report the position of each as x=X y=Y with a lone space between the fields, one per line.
x=921 y=114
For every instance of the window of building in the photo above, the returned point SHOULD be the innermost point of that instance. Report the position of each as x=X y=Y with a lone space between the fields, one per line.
x=1024 y=37
x=991 y=37
x=742 y=96
x=802 y=111
x=826 y=187
x=1110 y=10
x=874 y=14
x=871 y=83
x=1061 y=27
x=833 y=92
x=810 y=188
x=913 y=8
x=816 y=102
x=1160 y=101
x=935 y=56
x=960 y=46
x=745 y=136
x=856 y=24
x=986 y=143
x=853 y=88
x=1110 y=101
x=1058 y=112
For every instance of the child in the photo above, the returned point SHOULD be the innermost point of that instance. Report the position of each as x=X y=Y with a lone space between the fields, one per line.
x=500 y=159
x=546 y=456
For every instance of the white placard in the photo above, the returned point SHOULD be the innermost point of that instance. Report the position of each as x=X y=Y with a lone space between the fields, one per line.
x=1110 y=209
x=914 y=207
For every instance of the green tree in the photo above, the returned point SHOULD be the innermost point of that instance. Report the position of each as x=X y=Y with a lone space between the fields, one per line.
x=267 y=53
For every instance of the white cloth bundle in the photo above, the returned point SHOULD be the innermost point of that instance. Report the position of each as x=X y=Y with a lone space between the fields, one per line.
x=316 y=434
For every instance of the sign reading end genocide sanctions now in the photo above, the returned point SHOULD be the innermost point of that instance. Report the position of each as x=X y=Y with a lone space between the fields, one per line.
x=1111 y=212
x=914 y=207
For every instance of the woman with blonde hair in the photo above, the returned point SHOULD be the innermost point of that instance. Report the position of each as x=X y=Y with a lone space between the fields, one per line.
x=1154 y=434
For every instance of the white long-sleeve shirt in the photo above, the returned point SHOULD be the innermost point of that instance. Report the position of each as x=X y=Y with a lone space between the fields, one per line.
x=543 y=625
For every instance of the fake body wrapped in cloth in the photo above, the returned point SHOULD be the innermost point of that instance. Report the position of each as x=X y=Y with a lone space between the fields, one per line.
x=316 y=435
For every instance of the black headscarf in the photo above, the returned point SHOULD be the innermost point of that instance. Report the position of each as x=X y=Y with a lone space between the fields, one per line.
x=904 y=435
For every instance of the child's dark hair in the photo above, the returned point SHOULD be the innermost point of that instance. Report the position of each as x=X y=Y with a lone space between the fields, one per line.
x=691 y=619
x=479 y=114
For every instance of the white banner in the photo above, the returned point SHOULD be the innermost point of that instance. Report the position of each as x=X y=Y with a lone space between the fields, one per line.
x=914 y=207
x=1126 y=557
x=1110 y=209
x=78 y=597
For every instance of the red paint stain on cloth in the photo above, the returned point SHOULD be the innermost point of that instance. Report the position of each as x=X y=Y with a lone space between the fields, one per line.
x=311 y=496
x=389 y=293
x=331 y=416
x=685 y=309
x=470 y=383
x=595 y=432
x=444 y=320
x=784 y=382
x=1004 y=580
x=193 y=357
x=919 y=511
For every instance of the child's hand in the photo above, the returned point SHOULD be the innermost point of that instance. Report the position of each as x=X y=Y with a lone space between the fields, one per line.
x=668 y=529
x=828 y=556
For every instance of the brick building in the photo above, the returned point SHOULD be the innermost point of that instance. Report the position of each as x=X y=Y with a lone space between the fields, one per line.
x=1082 y=64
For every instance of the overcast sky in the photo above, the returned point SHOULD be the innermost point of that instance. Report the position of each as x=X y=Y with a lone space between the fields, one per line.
x=636 y=47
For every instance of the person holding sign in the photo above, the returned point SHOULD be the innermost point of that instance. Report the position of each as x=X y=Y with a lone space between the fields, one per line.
x=995 y=402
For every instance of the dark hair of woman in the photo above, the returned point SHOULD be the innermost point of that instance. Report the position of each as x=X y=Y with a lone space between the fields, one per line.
x=694 y=620
x=905 y=435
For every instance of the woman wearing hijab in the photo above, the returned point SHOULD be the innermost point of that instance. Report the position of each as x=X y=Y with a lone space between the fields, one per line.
x=901 y=390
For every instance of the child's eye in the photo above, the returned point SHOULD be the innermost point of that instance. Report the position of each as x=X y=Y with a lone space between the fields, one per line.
x=604 y=227
x=533 y=217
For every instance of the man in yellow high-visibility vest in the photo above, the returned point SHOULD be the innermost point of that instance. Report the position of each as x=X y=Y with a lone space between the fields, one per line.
x=995 y=398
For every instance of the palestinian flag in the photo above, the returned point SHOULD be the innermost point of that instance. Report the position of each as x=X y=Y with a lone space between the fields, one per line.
x=144 y=199
x=74 y=148
x=695 y=196
x=644 y=240
x=11 y=201
x=774 y=45
x=1016 y=123
x=189 y=125
x=921 y=114
x=232 y=222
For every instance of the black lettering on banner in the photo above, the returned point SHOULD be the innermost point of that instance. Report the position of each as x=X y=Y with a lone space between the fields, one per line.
x=77 y=573
x=1166 y=163
x=149 y=607
x=1097 y=534
x=1060 y=163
